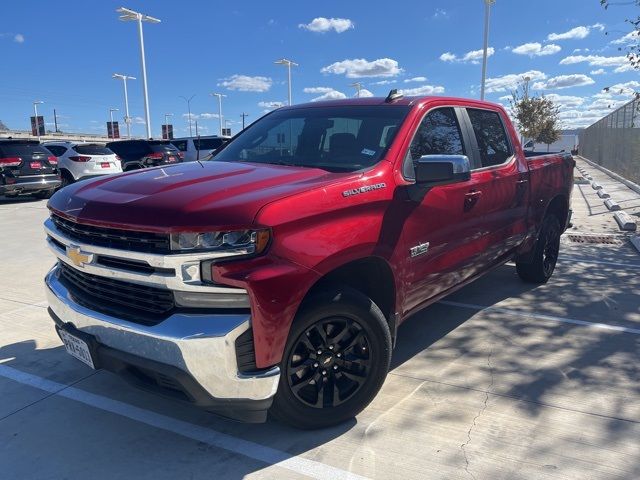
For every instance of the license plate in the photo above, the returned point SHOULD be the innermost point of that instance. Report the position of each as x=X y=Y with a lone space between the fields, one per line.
x=105 y=164
x=36 y=165
x=77 y=348
x=172 y=158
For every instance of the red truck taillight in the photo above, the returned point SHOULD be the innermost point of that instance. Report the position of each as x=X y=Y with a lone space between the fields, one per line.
x=10 y=161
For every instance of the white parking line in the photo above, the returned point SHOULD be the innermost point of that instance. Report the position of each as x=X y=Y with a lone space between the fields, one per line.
x=508 y=311
x=268 y=455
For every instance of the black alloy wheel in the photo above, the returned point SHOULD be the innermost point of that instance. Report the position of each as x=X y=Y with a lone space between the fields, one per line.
x=330 y=362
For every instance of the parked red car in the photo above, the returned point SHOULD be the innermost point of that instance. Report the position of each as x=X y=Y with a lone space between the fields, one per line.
x=274 y=277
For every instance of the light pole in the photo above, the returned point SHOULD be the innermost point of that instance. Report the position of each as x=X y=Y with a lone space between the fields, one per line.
x=243 y=115
x=188 y=100
x=166 y=122
x=288 y=63
x=487 y=14
x=526 y=87
x=127 y=16
x=127 y=118
x=358 y=87
x=35 y=111
x=219 y=95
x=113 y=130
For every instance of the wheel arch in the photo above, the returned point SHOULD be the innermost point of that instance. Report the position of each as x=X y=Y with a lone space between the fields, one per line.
x=372 y=276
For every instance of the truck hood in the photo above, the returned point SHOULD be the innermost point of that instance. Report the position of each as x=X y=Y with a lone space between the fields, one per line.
x=188 y=196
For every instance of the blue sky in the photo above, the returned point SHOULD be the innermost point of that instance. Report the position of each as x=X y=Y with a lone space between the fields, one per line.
x=66 y=53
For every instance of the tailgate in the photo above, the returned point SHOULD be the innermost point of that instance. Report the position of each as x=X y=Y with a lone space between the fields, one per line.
x=34 y=158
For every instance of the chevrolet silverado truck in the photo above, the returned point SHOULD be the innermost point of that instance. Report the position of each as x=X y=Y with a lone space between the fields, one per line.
x=273 y=278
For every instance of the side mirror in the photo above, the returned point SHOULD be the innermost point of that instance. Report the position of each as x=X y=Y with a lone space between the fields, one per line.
x=434 y=170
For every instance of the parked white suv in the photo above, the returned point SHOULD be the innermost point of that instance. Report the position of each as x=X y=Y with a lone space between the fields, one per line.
x=196 y=148
x=83 y=160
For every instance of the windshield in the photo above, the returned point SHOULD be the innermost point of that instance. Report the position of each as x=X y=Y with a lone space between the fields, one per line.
x=337 y=139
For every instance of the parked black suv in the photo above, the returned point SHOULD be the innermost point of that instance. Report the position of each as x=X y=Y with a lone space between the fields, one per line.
x=135 y=154
x=27 y=167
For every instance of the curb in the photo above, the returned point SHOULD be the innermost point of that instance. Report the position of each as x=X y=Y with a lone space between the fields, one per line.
x=633 y=186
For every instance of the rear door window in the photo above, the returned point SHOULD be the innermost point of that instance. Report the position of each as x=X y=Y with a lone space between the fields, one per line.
x=493 y=142
x=25 y=150
x=92 y=149
x=57 y=150
x=438 y=134
x=207 y=143
x=180 y=145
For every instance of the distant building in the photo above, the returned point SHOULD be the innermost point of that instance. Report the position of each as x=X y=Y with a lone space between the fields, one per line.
x=568 y=141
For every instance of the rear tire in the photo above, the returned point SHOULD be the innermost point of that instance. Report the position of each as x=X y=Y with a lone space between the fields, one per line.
x=545 y=254
x=335 y=360
x=67 y=179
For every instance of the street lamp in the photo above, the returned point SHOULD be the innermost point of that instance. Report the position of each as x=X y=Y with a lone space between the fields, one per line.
x=166 y=122
x=219 y=95
x=487 y=14
x=113 y=130
x=188 y=100
x=35 y=111
x=288 y=63
x=358 y=87
x=127 y=16
x=243 y=115
x=127 y=118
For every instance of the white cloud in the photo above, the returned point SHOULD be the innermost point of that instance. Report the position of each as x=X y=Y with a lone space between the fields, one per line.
x=626 y=89
x=511 y=81
x=423 y=90
x=385 y=82
x=565 y=101
x=18 y=38
x=200 y=116
x=330 y=95
x=600 y=71
x=415 y=79
x=317 y=89
x=364 y=93
x=138 y=120
x=564 y=81
x=631 y=37
x=245 y=83
x=271 y=104
x=536 y=49
x=577 y=33
x=323 y=25
x=359 y=67
x=474 y=56
x=595 y=60
x=440 y=13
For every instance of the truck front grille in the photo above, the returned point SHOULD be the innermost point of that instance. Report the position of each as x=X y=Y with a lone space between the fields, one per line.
x=131 y=301
x=147 y=242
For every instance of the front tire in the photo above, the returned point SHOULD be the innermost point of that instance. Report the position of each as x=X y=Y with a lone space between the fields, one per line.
x=545 y=254
x=335 y=360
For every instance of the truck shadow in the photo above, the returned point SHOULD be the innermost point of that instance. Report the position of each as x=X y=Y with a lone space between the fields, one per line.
x=531 y=362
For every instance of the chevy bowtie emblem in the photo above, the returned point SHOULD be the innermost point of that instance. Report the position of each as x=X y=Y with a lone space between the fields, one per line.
x=78 y=257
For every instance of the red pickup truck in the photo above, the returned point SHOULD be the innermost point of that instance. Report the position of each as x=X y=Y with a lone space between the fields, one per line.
x=274 y=277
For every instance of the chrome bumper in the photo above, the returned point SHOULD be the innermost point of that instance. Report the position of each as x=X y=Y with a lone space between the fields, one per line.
x=201 y=345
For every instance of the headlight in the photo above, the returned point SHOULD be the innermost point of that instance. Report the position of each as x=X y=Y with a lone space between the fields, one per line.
x=245 y=242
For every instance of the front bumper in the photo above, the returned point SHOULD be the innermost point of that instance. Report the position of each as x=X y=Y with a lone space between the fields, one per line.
x=29 y=184
x=197 y=351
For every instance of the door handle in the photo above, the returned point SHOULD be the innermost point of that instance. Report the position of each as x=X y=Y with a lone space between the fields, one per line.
x=471 y=198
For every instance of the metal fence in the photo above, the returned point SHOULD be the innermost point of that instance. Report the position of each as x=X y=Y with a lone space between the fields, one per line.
x=614 y=141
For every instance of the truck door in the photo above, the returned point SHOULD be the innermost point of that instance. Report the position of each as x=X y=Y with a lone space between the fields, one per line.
x=501 y=183
x=440 y=231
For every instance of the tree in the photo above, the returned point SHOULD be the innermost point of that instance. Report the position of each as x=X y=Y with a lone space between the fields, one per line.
x=630 y=42
x=536 y=116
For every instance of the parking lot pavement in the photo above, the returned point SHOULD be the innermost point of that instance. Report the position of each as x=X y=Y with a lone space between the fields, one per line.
x=501 y=380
